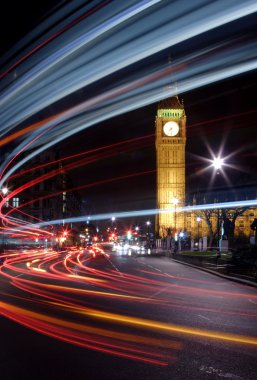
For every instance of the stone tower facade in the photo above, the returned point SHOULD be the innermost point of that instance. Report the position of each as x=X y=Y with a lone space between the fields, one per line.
x=170 y=144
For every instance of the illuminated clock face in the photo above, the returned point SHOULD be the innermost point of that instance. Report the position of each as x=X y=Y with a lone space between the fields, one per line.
x=171 y=128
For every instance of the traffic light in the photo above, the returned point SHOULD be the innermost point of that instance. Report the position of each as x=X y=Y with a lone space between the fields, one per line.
x=129 y=234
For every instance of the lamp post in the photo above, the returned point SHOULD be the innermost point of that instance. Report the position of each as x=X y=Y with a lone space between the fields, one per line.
x=198 y=219
x=4 y=191
x=217 y=163
x=219 y=235
x=148 y=223
x=113 y=222
x=148 y=226
x=175 y=202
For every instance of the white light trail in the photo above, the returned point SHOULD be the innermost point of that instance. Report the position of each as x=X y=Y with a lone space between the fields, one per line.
x=136 y=213
x=135 y=95
x=114 y=38
x=118 y=50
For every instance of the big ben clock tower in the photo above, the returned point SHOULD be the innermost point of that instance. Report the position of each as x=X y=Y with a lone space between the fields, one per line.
x=170 y=140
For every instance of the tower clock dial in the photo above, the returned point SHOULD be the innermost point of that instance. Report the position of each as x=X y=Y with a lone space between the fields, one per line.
x=171 y=128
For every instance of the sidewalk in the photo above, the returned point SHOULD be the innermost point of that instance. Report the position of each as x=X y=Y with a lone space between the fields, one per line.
x=217 y=266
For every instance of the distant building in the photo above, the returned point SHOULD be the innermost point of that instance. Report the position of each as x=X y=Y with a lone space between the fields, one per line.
x=49 y=196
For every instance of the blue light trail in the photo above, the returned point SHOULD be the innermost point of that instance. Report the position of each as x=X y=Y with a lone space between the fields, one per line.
x=79 y=46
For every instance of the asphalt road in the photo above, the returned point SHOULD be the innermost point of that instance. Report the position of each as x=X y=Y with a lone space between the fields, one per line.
x=123 y=317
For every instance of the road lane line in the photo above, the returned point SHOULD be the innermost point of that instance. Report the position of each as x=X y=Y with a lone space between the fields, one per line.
x=114 y=266
x=150 y=266
x=202 y=316
x=218 y=372
x=156 y=293
x=255 y=303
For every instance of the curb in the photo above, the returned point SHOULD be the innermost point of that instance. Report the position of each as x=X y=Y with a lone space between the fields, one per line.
x=235 y=279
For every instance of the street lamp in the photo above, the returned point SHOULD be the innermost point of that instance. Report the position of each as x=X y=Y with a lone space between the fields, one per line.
x=175 y=202
x=217 y=163
x=148 y=225
x=5 y=190
x=113 y=221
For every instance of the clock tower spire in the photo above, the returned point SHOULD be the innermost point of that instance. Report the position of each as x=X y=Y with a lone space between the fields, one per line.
x=170 y=142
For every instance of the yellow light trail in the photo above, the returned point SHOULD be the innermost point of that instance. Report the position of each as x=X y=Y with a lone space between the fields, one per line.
x=86 y=291
x=91 y=330
x=133 y=321
x=168 y=328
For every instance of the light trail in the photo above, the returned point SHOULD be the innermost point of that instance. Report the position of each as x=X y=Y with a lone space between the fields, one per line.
x=42 y=44
x=55 y=301
x=189 y=22
x=247 y=55
x=128 y=214
x=77 y=50
x=135 y=95
x=137 y=141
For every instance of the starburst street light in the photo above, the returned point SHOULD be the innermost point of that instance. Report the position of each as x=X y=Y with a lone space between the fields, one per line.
x=217 y=163
x=5 y=190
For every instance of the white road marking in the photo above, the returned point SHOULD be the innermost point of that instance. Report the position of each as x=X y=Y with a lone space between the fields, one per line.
x=150 y=266
x=255 y=303
x=219 y=373
x=202 y=316
x=156 y=293
x=114 y=266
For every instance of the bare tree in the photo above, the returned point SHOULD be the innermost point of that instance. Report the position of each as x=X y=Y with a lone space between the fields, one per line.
x=229 y=217
x=208 y=216
x=226 y=216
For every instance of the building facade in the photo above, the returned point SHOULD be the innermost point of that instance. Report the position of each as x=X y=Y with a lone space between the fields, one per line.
x=170 y=127
x=170 y=142
x=49 y=196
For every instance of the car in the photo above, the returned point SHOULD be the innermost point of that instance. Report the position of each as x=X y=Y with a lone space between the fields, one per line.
x=96 y=252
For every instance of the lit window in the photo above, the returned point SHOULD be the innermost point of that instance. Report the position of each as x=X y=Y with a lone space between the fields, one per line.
x=15 y=202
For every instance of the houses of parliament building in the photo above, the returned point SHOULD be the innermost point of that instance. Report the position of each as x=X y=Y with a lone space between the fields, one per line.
x=170 y=142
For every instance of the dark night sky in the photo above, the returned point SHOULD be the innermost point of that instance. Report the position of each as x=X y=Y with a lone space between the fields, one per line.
x=225 y=101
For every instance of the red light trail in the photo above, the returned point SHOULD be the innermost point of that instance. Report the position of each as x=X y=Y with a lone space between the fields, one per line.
x=57 y=288
x=55 y=35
